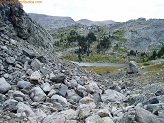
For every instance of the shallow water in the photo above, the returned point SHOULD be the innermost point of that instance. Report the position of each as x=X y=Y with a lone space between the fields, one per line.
x=101 y=64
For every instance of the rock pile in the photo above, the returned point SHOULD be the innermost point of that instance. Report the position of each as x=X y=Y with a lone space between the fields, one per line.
x=40 y=88
x=53 y=90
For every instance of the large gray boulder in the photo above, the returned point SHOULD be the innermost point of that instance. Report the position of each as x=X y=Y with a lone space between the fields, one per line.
x=133 y=68
x=4 y=86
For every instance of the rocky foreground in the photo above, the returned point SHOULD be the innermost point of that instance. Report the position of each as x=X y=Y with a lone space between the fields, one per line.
x=38 y=87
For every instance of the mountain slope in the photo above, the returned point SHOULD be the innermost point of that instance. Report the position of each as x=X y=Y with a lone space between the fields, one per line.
x=52 y=22
x=142 y=34
x=17 y=25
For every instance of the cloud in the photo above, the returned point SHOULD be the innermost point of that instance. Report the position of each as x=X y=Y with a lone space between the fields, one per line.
x=117 y=10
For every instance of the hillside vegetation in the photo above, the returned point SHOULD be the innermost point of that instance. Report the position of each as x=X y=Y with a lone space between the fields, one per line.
x=99 y=44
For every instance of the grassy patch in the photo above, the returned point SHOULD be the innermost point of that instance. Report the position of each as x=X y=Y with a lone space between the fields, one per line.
x=153 y=73
x=94 y=57
x=156 y=67
x=102 y=70
x=146 y=64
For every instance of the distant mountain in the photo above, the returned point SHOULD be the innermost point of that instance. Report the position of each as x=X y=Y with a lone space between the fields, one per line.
x=142 y=34
x=90 y=23
x=52 y=22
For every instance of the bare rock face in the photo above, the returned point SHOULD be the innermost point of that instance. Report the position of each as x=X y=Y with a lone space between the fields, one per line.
x=16 y=23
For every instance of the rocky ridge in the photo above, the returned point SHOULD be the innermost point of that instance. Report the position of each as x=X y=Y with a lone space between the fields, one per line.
x=98 y=23
x=52 y=22
x=142 y=34
x=37 y=86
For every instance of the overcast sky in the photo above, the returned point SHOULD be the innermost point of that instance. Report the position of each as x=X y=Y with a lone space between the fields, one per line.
x=98 y=10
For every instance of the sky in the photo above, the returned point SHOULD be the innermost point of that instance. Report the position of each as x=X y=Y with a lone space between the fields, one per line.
x=99 y=10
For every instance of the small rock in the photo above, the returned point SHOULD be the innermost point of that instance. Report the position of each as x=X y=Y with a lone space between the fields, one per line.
x=42 y=59
x=86 y=100
x=160 y=92
x=45 y=71
x=51 y=93
x=4 y=86
x=103 y=113
x=13 y=42
x=63 y=90
x=92 y=88
x=37 y=94
x=23 y=108
x=54 y=118
x=60 y=99
x=10 y=105
x=10 y=60
x=84 y=111
x=57 y=106
x=36 y=65
x=19 y=99
x=23 y=84
x=104 y=120
x=18 y=94
x=29 y=53
x=69 y=114
x=73 y=83
x=71 y=95
x=151 y=101
x=36 y=76
x=39 y=115
x=58 y=78
x=112 y=96
x=46 y=87
x=92 y=119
